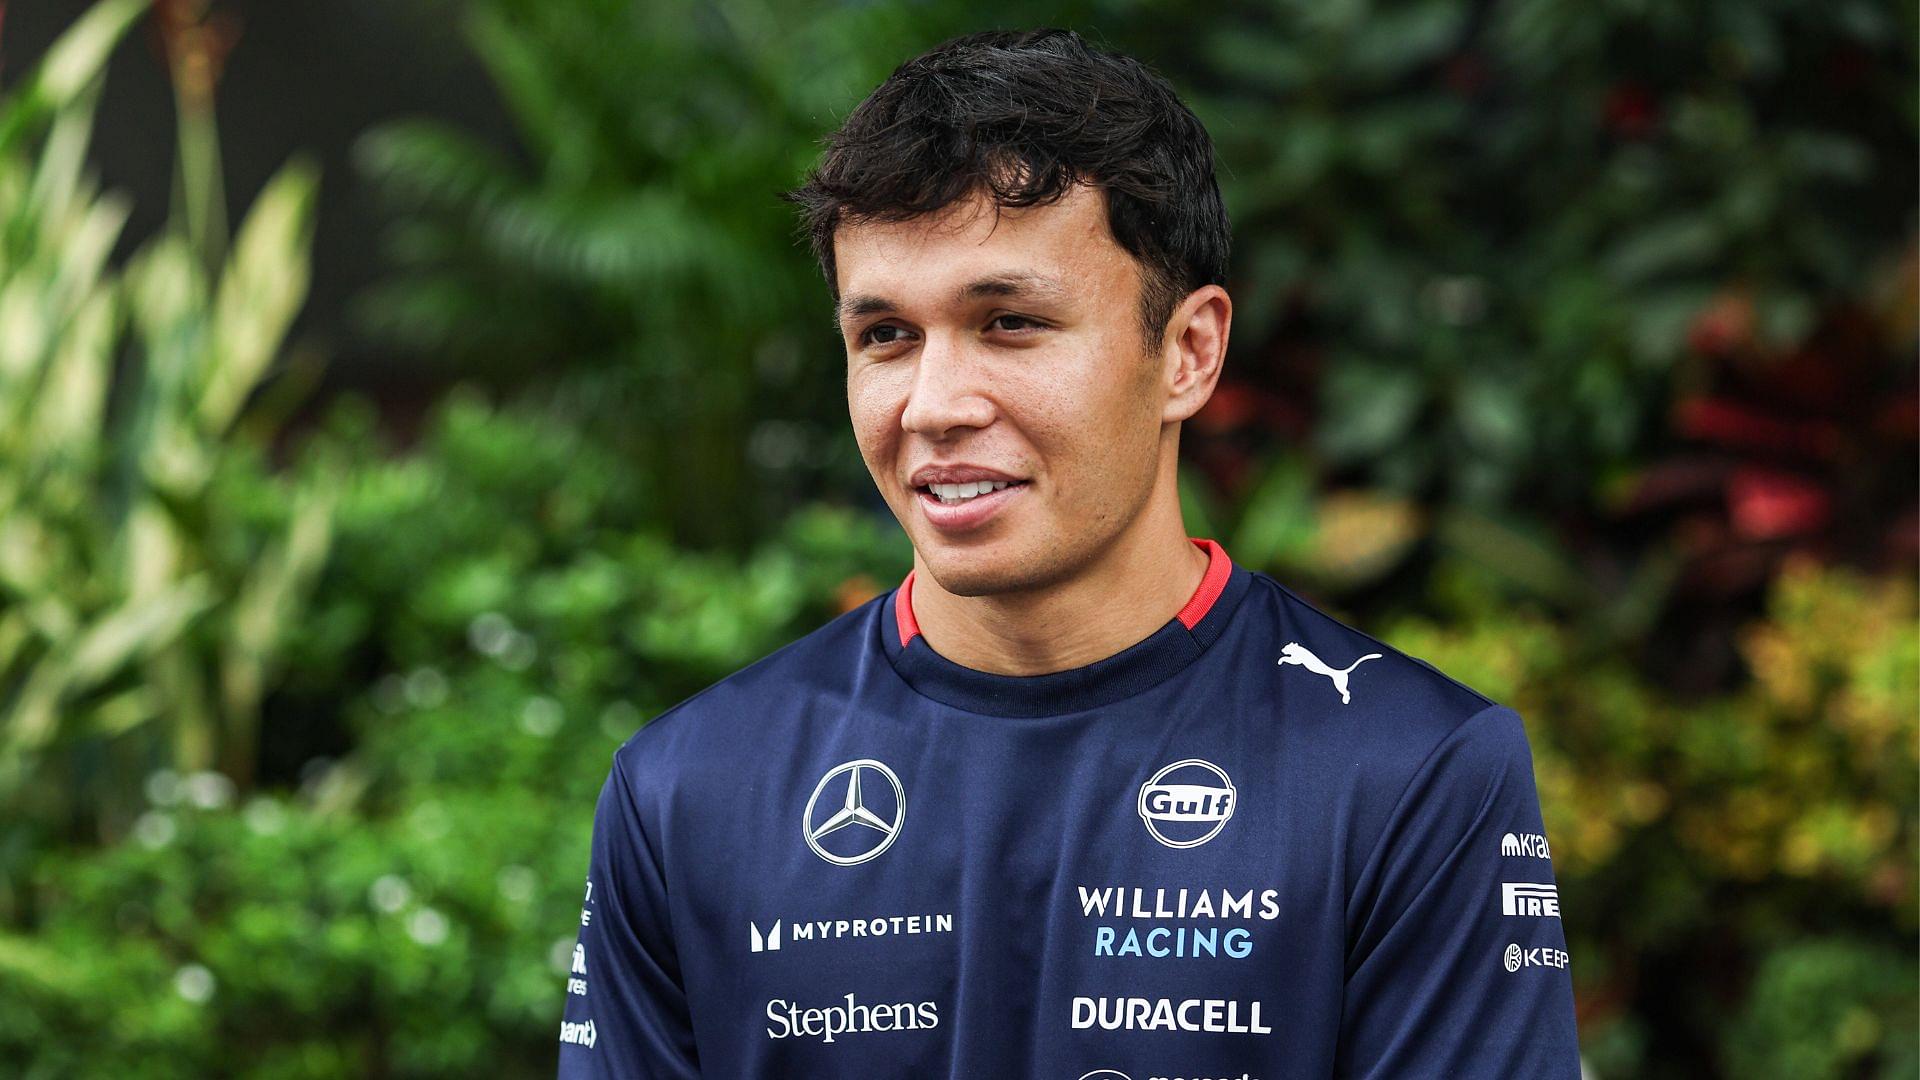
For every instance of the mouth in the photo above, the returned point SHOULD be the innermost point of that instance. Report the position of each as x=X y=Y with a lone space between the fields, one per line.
x=962 y=508
x=961 y=494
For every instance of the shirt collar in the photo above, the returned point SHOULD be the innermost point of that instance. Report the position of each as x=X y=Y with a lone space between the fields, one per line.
x=1128 y=672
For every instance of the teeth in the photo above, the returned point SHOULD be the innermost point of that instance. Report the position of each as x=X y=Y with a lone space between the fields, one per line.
x=959 y=493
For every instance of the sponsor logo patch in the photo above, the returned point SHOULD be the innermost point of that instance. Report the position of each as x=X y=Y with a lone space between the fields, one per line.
x=1529 y=898
x=1296 y=653
x=1186 y=803
x=580 y=1034
x=1524 y=845
x=1211 y=1015
x=796 y=931
x=789 y=1019
x=1182 y=923
x=1517 y=957
x=1118 y=1075
x=769 y=942
x=855 y=812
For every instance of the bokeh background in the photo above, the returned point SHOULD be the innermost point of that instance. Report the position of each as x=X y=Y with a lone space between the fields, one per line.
x=401 y=401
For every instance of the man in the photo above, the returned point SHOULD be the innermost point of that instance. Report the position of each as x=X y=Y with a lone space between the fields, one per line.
x=1081 y=798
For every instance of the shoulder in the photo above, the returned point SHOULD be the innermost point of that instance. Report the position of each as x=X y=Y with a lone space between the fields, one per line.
x=736 y=717
x=1384 y=683
x=1414 y=762
x=1399 y=716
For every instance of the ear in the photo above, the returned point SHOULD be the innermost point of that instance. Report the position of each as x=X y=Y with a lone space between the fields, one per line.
x=1195 y=348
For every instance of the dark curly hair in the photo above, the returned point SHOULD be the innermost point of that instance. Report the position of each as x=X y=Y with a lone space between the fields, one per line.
x=1024 y=115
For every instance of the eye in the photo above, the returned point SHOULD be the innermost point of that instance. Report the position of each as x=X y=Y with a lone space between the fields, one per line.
x=889 y=331
x=1000 y=321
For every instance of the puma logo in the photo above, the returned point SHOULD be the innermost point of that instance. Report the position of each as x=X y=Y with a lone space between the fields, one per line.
x=1296 y=653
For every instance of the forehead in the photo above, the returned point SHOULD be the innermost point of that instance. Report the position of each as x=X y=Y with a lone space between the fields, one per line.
x=936 y=254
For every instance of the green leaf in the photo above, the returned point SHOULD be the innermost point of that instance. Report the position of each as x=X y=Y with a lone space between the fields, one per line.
x=260 y=292
x=1375 y=405
x=1278 y=521
x=1197 y=505
x=138 y=627
x=69 y=67
x=1684 y=242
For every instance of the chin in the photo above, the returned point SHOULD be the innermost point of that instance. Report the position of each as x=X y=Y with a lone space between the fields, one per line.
x=997 y=569
x=974 y=582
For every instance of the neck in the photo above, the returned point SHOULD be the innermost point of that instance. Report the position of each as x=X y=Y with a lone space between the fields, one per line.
x=1135 y=585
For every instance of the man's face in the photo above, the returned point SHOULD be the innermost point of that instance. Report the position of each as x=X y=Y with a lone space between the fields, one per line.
x=1008 y=353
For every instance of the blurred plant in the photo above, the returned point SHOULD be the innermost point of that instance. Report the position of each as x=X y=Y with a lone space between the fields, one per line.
x=640 y=271
x=1487 y=231
x=196 y=40
x=1480 y=251
x=1701 y=843
x=1336 y=540
x=501 y=625
x=140 y=615
x=1811 y=451
x=397 y=914
x=1829 y=1007
x=495 y=500
x=1615 y=304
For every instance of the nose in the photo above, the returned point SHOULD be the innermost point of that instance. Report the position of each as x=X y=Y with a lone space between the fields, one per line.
x=946 y=396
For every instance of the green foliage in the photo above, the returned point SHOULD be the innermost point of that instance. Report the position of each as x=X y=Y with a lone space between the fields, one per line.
x=1827 y=1008
x=1485 y=247
x=282 y=940
x=1747 y=826
x=408 y=911
x=1495 y=241
x=141 y=616
x=643 y=246
x=1496 y=227
x=67 y=77
x=511 y=513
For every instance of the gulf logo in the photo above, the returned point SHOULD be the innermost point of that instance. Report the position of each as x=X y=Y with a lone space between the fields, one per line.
x=1187 y=803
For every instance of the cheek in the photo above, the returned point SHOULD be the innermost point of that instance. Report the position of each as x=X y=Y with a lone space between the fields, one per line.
x=1103 y=426
x=873 y=407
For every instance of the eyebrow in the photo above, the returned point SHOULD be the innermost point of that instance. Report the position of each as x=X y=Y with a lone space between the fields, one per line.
x=1028 y=285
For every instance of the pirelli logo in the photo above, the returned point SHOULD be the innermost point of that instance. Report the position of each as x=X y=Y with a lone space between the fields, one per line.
x=1529 y=898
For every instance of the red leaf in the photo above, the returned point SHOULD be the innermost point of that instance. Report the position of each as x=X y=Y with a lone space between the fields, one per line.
x=1726 y=422
x=1630 y=111
x=1722 y=326
x=1230 y=407
x=1768 y=503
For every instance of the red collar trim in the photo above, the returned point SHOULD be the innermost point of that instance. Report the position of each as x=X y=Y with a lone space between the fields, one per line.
x=1212 y=583
x=903 y=611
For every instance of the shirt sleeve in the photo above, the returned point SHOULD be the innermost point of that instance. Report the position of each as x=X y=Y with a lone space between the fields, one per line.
x=626 y=1011
x=1457 y=962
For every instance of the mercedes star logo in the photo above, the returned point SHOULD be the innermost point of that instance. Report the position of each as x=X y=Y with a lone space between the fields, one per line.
x=854 y=833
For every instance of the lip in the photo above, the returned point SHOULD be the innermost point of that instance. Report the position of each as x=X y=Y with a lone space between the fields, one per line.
x=957 y=474
x=969 y=515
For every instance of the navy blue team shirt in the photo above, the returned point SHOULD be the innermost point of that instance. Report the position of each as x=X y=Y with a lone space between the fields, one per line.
x=1258 y=844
